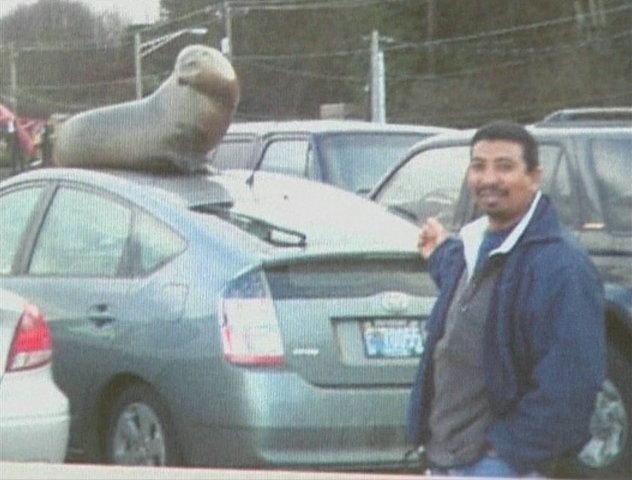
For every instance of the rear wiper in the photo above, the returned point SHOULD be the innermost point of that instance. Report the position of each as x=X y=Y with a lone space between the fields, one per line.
x=282 y=236
x=269 y=232
x=274 y=234
x=212 y=207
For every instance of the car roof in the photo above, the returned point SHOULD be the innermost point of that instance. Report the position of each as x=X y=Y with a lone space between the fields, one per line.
x=579 y=130
x=592 y=116
x=540 y=132
x=320 y=126
x=275 y=198
x=182 y=188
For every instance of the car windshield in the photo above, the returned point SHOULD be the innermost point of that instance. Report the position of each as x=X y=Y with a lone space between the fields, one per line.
x=427 y=185
x=356 y=161
x=591 y=195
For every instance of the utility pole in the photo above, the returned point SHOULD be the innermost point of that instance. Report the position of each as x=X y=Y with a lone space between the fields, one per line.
x=137 y=66
x=378 y=96
x=227 y=41
x=430 y=30
x=13 y=55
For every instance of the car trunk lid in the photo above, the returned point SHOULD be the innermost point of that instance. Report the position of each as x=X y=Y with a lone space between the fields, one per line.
x=352 y=320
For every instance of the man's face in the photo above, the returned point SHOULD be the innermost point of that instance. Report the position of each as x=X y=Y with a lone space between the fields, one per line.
x=500 y=183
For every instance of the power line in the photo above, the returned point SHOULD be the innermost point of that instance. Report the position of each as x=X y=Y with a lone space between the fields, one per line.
x=70 y=46
x=543 y=54
x=308 y=74
x=159 y=76
x=502 y=31
x=267 y=5
x=535 y=55
x=515 y=111
x=64 y=106
x=433 y=43
x=307 y=5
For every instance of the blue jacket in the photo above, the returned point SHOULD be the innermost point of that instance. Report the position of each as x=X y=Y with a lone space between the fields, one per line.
x=545 y=347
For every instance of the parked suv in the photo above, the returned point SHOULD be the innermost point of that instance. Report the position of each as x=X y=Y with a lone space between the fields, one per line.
x=587 y=171
x=349 y=154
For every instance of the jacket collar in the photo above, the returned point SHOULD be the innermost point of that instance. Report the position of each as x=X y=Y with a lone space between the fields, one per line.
x=472 y=235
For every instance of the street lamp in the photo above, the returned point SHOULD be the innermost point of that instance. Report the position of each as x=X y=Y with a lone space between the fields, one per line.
x=143 y=49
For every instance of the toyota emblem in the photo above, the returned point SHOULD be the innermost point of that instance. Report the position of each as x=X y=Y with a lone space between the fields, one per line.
x=395 y=302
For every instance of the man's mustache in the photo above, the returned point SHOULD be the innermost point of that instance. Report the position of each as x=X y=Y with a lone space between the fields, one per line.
x=490 y=190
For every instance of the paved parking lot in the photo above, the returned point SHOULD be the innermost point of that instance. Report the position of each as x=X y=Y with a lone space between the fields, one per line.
x=45 y=471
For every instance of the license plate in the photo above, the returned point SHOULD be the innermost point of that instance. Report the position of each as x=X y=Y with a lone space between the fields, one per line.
x=392 y=338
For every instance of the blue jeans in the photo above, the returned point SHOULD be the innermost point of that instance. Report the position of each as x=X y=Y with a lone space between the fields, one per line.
x=487 y=466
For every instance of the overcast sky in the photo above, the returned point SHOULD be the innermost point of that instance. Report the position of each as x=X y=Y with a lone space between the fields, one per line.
x=137 y=11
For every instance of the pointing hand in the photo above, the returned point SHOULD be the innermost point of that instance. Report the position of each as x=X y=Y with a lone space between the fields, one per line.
x=431 y=235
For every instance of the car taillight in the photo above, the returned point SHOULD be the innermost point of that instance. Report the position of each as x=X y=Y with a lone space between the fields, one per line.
x=32 y=344
x=248 y=321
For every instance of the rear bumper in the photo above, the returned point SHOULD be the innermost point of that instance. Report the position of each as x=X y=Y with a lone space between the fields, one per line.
x=34 y=418
x=298 y=449
x=276 y=419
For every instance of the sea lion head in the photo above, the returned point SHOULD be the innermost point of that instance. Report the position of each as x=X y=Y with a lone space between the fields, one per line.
x=209 y=72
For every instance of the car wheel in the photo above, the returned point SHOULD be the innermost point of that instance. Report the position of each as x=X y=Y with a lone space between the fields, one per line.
x=139 y=430
x=608 y=454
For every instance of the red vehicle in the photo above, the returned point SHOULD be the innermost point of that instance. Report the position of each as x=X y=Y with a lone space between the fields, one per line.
x=19 y=139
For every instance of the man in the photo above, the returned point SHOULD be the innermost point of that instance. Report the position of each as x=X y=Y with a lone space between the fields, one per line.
x=17 y=159
x=516 y=343
x=46 y=145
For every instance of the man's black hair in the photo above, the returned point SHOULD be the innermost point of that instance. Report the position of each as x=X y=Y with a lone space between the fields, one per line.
x=512 y=132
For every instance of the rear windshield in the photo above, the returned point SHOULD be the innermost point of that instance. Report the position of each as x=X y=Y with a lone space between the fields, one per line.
x=233 y=153
x=356 y=161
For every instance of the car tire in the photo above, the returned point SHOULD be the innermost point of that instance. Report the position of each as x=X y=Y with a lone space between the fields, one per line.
x=140 y=431
x=608 y=454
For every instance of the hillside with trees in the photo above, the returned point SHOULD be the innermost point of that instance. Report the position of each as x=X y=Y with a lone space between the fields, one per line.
x=446 y=62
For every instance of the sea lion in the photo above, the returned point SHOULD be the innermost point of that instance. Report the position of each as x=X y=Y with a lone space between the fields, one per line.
x=173 y=127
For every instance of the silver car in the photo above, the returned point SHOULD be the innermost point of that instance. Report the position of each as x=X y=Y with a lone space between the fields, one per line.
x=348 y=154
x=34 y=413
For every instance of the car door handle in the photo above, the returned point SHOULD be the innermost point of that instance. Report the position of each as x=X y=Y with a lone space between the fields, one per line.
x=99 y=315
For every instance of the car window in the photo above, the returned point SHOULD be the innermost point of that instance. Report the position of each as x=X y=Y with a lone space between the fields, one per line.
x=15 y=210
x=428 y=184
x=233 y=153
x=289 y=157
x=356 y=161
x=613 y=168
x=557 y=182
x=83 y=234
x=156 y=243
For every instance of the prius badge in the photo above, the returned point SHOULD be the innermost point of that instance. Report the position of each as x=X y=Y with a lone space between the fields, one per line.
x=395 y=302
